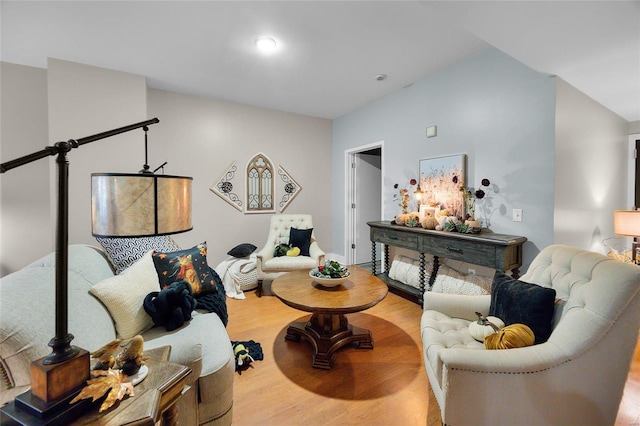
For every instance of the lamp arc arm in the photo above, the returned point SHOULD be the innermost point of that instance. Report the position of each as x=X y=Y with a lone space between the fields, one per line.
x=53 y=150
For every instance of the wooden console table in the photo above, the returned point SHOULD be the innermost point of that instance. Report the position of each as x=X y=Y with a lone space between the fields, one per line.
x=497 y=251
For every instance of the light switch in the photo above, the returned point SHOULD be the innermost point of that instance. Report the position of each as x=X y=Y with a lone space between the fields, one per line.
x=517 y=215
x=432 y=131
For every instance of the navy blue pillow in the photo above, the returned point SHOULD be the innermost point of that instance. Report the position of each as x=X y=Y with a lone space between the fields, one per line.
x=515 y=301
x=300 y=238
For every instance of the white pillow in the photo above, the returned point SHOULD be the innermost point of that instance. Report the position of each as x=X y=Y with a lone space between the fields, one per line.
x=451 y=281
x=124 y=294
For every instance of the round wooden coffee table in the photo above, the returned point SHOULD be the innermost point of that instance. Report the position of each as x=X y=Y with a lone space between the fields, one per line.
x=328 y=329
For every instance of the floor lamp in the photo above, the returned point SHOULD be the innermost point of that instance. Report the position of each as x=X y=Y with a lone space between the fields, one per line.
x=56 y=378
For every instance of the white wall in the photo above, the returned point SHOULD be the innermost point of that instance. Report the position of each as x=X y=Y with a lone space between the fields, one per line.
x=591 y=169
x=25 y=226
x=198 y=137
x=492 y=108
x=83 y=101
x=201 y=137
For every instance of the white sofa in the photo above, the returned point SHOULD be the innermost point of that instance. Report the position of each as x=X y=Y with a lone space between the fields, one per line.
x=575 y=378
x=27 y=318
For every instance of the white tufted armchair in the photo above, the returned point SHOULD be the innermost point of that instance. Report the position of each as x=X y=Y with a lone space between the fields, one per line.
x=270 y=267
x=575 y=378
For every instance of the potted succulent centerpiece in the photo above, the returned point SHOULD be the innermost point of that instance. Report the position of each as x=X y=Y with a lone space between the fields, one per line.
x=330 y=274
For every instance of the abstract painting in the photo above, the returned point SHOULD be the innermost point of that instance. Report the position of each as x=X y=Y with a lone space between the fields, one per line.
x=440 y=181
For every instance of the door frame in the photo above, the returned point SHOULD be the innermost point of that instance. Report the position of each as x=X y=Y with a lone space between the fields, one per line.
x=350 y=194
x=632 y=171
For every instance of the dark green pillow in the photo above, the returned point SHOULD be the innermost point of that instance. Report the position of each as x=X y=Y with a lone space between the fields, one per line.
x=281 y=250
x=515 y=301
x=301 y=238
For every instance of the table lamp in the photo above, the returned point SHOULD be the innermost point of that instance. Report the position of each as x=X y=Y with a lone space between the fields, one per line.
x=627 y=223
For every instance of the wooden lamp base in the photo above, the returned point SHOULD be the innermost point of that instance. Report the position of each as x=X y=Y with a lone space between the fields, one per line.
x=53 y=381
x=53 y=386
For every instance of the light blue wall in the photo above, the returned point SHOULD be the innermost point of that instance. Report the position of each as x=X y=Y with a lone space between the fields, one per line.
x=494 y=109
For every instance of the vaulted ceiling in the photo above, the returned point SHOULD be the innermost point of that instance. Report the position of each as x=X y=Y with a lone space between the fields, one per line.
x=329 y=53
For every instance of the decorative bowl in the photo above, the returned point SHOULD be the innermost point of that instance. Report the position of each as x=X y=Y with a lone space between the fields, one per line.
x=327 y=282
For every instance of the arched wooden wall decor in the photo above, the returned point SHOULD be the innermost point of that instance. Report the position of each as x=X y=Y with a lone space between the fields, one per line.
x=290 y=188
x=260 y=186
x=224 y=187
x=263 y=187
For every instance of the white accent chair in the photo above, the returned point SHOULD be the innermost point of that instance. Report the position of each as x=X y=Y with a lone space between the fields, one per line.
x=270 y=267
x=575 y=378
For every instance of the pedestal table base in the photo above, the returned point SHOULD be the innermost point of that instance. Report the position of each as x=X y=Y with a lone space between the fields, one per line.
x=327 y=333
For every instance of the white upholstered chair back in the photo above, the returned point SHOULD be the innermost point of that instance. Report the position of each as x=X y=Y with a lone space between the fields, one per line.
x=591 y=289
x=281 y=225
x=270 y=267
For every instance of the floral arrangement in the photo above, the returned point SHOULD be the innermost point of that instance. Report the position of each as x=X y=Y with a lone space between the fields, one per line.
x=470 y=197
x=331 y=269
x=467 y=224
x=445 y=219
x=403 y=195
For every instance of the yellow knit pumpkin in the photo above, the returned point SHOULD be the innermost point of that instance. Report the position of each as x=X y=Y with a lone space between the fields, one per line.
x=511 y=336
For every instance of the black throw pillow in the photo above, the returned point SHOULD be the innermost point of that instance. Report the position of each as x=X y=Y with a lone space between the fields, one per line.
x=515 y=301
x=301 y=238
x=242 y=250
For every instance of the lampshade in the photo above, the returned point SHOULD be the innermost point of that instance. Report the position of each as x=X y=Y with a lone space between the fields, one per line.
x=626 y=222
x=139 y=205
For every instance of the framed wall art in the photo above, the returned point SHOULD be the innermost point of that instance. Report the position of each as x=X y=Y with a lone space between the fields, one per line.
x=260 y=185
x=290 y=188
x=226 y=186
x=440 y=181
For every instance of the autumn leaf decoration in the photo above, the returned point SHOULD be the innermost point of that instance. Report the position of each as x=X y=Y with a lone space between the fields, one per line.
x=111 y=381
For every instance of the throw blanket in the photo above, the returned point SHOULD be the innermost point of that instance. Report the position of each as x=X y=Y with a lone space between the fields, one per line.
x=246 y=353
x=172 y=306
x=215 y=302
x=236 y=273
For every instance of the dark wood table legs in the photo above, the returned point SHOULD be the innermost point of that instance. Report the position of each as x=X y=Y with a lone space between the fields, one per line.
x=327 y=333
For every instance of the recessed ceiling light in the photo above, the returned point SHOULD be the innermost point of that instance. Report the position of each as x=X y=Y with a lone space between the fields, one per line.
x=265 y=44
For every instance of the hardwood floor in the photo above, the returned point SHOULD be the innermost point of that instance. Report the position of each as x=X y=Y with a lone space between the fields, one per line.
x=383 y=386
x=629 y=412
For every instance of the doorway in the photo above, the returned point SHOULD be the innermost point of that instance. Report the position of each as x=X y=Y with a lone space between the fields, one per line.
x=363 y=201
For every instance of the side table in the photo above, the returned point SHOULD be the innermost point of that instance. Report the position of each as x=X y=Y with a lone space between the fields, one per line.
x=154 y=400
